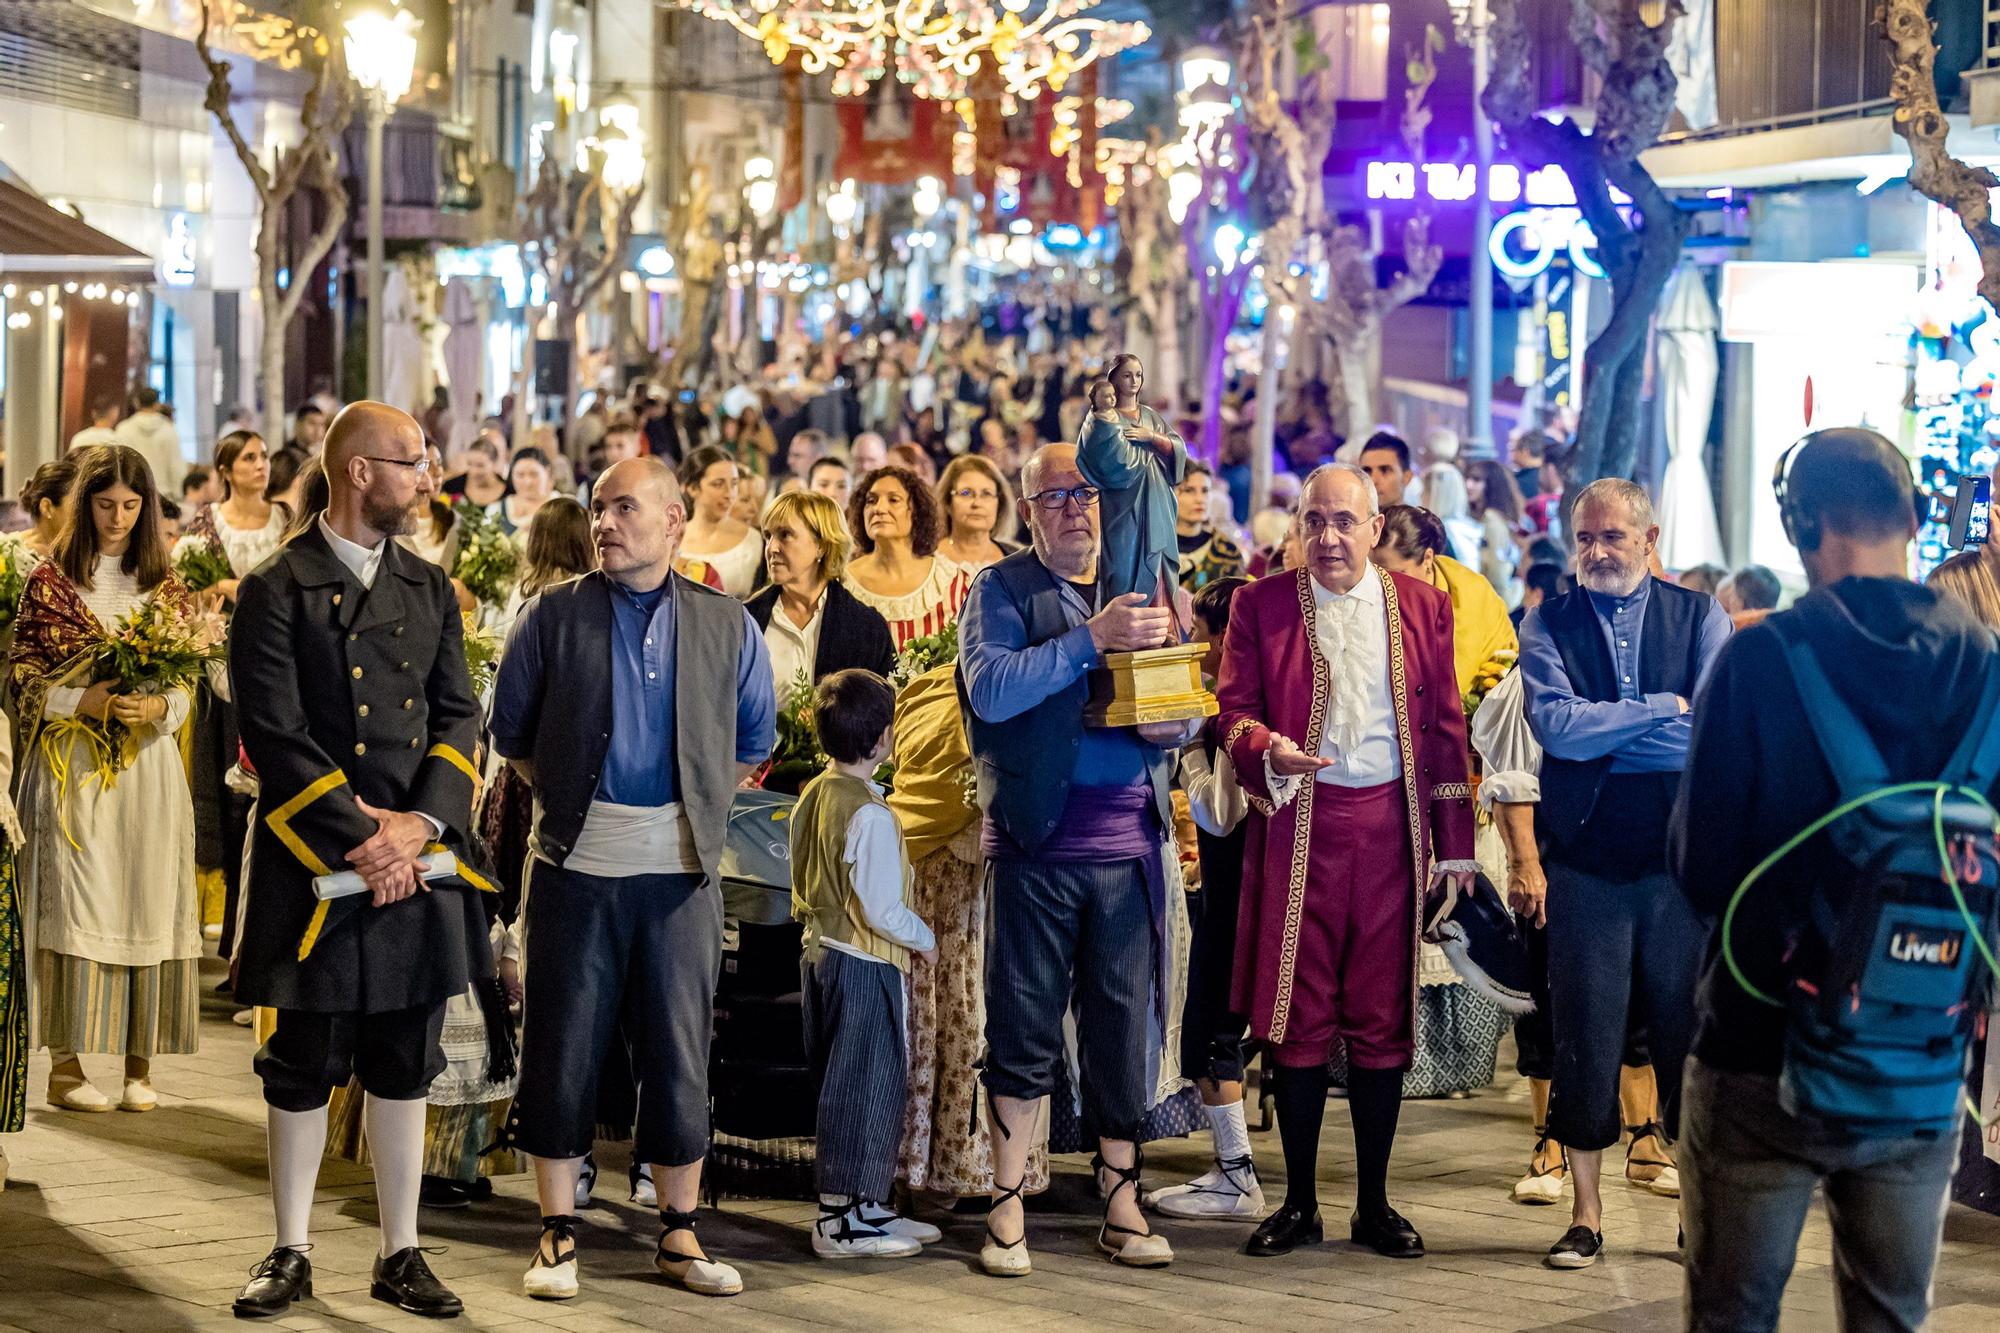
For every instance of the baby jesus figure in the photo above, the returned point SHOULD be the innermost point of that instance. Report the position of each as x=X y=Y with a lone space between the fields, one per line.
x=1135 y=460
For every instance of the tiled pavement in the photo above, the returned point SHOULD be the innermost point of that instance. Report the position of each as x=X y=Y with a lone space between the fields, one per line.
x=150 y=1221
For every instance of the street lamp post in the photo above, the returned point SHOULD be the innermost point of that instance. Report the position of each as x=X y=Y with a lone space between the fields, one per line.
x=382 y=56
x=1473 y=23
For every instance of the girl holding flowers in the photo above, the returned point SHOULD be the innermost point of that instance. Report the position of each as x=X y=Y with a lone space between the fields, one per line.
x=106 y=651
x=247 y=526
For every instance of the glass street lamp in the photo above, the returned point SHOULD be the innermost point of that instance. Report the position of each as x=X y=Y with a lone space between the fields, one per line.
x=760 y=186
x=382 y=57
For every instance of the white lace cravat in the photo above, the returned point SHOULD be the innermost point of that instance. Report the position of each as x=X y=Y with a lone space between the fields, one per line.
x=1348 y=715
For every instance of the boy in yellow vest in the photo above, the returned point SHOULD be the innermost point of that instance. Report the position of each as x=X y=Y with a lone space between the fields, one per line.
x=851 y=889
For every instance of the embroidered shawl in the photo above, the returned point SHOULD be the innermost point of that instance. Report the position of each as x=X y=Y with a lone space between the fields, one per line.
x=56 y=632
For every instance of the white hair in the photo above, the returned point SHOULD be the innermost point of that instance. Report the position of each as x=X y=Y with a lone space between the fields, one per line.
x=1444 y=492
x=1354 y=470
x=1605 y=489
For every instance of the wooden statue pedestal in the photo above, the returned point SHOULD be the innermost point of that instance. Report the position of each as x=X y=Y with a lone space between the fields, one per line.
x=1153 y=685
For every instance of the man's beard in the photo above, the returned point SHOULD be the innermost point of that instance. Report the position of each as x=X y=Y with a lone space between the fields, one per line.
x=1611 y=579
x=385 y=517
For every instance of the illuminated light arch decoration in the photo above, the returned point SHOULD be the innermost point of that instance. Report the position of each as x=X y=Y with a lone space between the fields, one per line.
x=1541 y=237
x=933 y=46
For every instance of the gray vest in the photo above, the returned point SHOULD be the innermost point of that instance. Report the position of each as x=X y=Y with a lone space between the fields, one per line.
x=574 y=729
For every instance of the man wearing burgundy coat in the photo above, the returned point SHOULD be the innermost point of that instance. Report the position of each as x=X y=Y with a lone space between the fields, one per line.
x=1340 y=710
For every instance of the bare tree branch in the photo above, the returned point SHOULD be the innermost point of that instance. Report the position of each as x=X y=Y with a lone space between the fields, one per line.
x=1934 y=172
x=1638 y=243
x=313 y=163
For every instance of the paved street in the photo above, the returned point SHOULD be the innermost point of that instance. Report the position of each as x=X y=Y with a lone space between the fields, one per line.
x=149 y=1222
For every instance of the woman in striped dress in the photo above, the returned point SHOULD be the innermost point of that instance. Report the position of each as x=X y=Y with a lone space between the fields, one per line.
x=894 y=518
x=112 y=928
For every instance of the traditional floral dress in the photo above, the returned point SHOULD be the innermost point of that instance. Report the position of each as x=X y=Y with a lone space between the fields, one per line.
x=112 y=926
x=946 y=1145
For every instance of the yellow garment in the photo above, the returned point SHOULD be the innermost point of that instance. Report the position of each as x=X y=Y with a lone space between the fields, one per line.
x=1479 y=623
x=931 y=758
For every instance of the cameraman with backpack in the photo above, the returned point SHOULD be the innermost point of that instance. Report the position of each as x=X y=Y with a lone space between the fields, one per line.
x=1836 y=1001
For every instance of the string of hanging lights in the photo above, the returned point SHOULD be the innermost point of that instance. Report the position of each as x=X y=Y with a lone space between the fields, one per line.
x=934 y=47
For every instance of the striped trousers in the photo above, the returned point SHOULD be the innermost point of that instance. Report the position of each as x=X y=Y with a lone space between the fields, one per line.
x=853 y=1009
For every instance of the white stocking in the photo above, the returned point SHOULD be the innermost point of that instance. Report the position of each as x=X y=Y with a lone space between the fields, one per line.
x=396 y=1145
x=297 y=1140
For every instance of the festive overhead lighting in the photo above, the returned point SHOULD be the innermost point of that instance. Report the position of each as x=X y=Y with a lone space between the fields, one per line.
x=933 y=46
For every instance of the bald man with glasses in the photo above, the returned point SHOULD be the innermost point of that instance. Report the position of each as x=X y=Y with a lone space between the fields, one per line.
x=1076 y=820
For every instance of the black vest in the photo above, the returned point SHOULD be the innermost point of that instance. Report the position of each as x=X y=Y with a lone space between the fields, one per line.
x=1589 y=818
x=573 y=731
x=1025 y=765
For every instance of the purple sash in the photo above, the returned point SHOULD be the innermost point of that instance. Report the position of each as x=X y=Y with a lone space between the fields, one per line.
x=1097 y=824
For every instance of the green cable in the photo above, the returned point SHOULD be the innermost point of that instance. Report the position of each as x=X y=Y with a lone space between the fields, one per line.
x=1939 y=791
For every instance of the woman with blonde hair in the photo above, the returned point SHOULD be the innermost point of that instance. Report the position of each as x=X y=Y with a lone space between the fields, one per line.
x=1971 y=579
x=812 y=624
x=978 y=510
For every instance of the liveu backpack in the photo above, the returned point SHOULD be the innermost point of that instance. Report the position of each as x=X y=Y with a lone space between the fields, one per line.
x=1893 y=964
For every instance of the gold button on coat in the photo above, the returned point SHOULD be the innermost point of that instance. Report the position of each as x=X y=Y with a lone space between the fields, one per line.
x=359 y=748
x=356 y=673
x=409 y=703
x=363 y=710
x=413 y=742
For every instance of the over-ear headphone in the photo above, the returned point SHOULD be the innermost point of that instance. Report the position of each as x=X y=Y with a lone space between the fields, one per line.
x=1801 y=529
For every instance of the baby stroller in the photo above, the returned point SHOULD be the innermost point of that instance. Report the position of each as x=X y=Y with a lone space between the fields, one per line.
x=761 y=1088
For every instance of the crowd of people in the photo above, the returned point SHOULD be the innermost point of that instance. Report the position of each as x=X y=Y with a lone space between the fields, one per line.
x=466 y=771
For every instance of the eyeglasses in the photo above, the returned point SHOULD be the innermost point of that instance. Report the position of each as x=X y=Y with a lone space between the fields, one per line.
x=1085 y=497
x=968 y=493
x=420 y=466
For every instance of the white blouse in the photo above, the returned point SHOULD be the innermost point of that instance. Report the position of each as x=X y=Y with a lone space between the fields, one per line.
x=737 y=566
x=248 y=548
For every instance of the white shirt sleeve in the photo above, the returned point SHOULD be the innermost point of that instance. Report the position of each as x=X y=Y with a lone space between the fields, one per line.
x=1282 y=789
x=179 y=704
x=874 y=854
x=1215 y=798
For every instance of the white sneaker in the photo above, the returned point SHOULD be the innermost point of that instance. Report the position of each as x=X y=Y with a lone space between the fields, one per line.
x=1228 y=1191
x=139 y=1095
x=643 y=1192
x=243 y=1018
x=888 y=1219
x=842 y=1233
x=586 y=1180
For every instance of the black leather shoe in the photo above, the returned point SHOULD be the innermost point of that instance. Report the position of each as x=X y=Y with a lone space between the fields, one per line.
x=281 y=1277
x=1284 y=1231
x=438 y=1192
x=406 y=1282
x=1386 y=1232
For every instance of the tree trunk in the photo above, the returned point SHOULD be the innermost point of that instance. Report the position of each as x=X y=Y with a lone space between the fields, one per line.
x=1213 y=381
x=1168 y=372
x=271 y=365
x=1355 y=361
x=1610 y=415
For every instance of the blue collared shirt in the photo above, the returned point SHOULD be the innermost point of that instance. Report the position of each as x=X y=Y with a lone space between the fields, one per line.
x=1005 y=676
x=640 y=764
x=1643 y=733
